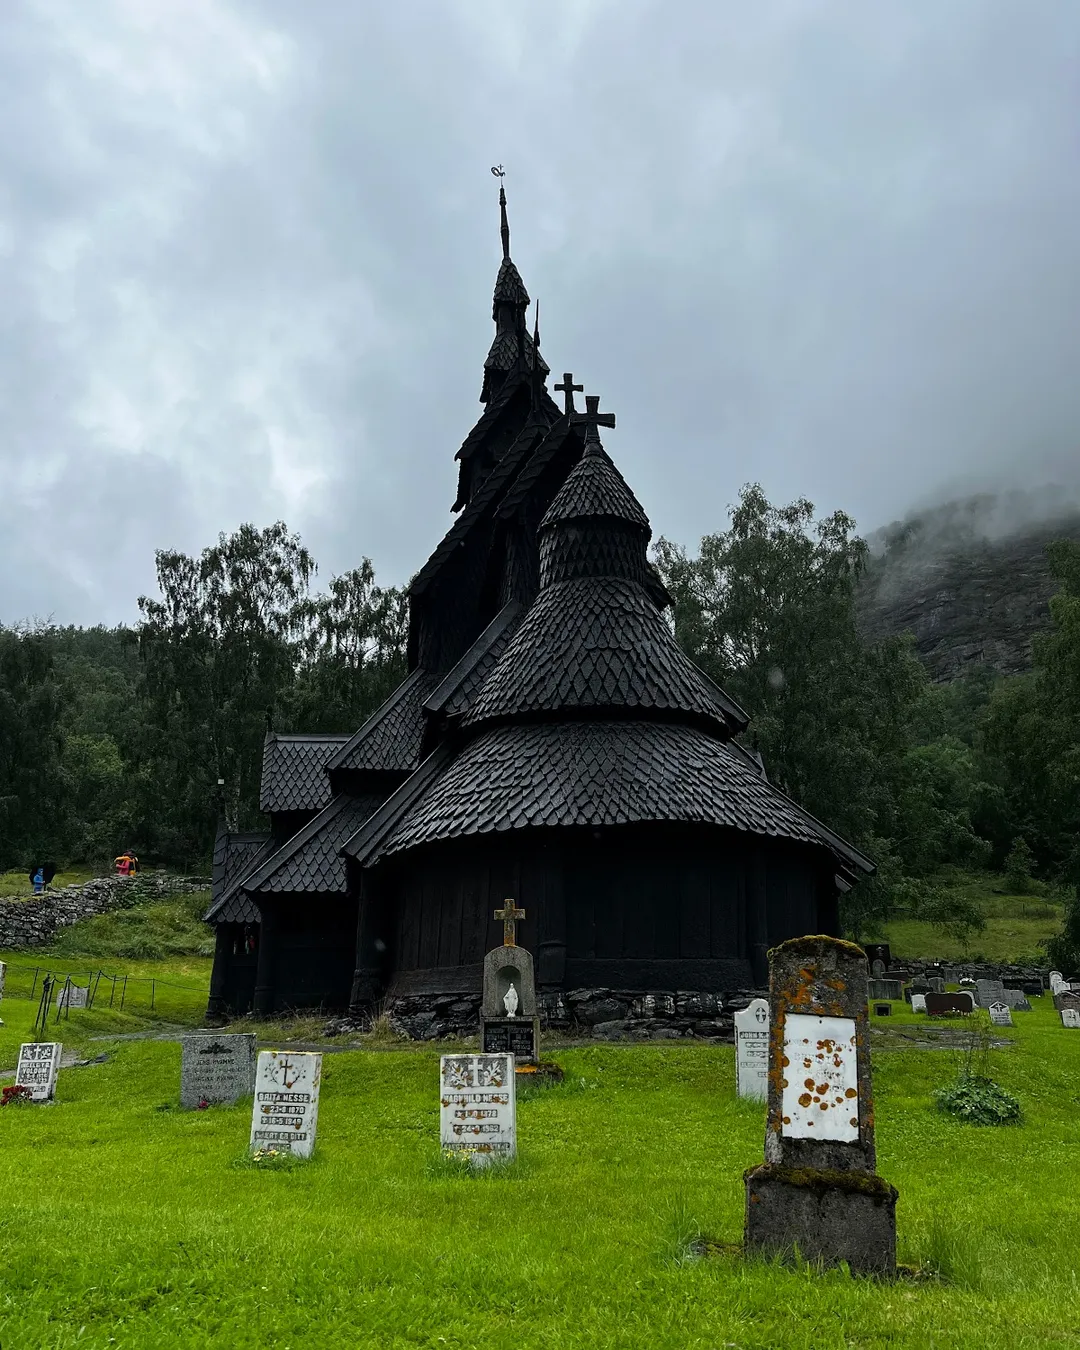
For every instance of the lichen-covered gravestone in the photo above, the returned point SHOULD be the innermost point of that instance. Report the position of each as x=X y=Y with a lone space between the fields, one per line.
x=39 y=1063
x=817 y=1191
x=72 y=996
x=1070 y=1017
x=286 y=1108
x=1000 y=1015
x=752 y=1050
x=216 y=1070
x=478 y=1107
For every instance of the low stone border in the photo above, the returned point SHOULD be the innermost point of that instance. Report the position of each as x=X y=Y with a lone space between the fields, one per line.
x=33 y=922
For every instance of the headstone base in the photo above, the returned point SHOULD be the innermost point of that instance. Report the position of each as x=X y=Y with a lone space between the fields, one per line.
x=827 y=1216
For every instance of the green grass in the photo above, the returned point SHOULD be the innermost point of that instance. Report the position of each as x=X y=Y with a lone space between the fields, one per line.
x=128 y=1224
x=155 y=932
x=1015 y=925
x=16 y=885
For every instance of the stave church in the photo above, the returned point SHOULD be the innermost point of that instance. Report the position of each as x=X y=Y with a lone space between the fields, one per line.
x=551 y=743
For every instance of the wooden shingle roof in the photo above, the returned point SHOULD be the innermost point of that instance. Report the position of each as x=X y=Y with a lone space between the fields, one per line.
x=294 y=770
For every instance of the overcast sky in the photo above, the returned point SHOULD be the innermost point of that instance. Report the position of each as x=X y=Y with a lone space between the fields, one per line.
x=247 y=250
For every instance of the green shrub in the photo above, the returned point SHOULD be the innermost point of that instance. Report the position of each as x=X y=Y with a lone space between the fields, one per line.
x=979 y=1101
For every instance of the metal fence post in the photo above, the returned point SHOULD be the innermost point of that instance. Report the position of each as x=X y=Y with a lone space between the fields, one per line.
x=123 y=993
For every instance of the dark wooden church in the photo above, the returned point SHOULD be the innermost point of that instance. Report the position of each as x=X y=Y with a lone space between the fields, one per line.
x=551 y=743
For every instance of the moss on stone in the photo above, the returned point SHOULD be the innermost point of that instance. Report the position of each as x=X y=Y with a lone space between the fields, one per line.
x=813 y=943
x=819 y=1180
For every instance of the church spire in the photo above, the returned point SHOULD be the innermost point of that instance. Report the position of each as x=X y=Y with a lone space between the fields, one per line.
x=512 y=349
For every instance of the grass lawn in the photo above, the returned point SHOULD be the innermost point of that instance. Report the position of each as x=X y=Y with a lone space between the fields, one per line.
x=1015 y=925
x=127 y=1222
x=16 y=885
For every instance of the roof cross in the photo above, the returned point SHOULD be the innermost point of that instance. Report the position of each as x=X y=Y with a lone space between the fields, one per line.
x=568 y=388
x=592 y=417
x=509 y=915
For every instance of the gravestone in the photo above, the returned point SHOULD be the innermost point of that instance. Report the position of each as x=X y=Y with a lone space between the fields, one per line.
x=478 y=1107
x=877 y=969
x=71 y=996
x=39 y=1063
x=950 y=974
x=1070 y=1017
x=989 y=991
x=1000 y=1015
x=818 y=1191
x=937 y=984
x=949 y=1005
x=1056 y=981
x=918 y=1002
x=752 y=1050
x=509 y=1023
x=1066 y=999
x=883 y=1009
x=878 y=951
x=884 y=989
x=919 y=985
x=1015 y=999
x=216 y=1070
x=286 y=1108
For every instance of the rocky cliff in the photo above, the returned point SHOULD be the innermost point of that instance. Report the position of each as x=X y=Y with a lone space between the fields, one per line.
x=969 y=579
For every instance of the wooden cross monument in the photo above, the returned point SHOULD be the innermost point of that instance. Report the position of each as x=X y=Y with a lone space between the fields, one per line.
x=509 y=915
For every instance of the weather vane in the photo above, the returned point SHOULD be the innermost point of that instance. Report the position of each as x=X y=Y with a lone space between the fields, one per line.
x=498 y=171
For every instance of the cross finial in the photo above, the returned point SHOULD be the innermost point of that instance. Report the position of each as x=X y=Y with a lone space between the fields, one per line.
x=568 y=388
x=509 y=915
x=592 y=417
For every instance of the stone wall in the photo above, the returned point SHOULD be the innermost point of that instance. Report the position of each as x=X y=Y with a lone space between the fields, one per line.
x=34 y=921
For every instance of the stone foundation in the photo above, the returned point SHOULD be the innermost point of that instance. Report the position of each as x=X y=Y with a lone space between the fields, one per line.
x=601 y=1014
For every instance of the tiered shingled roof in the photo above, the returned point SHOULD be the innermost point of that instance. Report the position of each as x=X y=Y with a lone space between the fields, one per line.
x=392 y=736
x=294 y=770
x=311 y=860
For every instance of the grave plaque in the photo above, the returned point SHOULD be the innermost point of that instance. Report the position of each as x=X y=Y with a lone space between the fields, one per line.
x=478 y=1106
x=883 y=1009
x=71 y=996
x=1070 y=1017
x=1000 y=1015
x=510 y=1036
x=949 y=1005
x=918 y=1002
x=817 y=1190
x=216 y=1070
x=885 y=989
x=286 y=1108
x=39 y=1063
x=752 y=1050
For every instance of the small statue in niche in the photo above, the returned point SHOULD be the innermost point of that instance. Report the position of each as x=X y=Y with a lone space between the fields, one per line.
x=510 y=1001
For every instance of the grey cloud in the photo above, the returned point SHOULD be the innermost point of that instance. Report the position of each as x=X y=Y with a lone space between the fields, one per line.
x=246 y=253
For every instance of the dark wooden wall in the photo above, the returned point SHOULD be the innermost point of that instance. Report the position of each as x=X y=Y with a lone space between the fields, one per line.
x=314 y=952
x=644 y=906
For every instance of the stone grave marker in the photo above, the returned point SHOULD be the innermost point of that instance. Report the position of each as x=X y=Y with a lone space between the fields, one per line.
x=937 y=984
x=949 y=1005
x=1056 y=981
x=818 y=1190
x=39 y=1064
x=286 y=1107
x=878 y=968
x=878 y=951
x=883 y=1009
x=509 y=1023
x=1065 y=998
x=71 y=996
x=752 y=1050
x=1000 y=1015
x=478 y=1107
x=217 y=1070
x=918 y=1002
x=989 y=991
x=1070 y=1017
x=1015 y=999
x=885 y=989
x=950 y=974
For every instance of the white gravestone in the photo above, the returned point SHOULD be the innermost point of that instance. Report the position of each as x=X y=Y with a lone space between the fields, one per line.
x=1070 y=1017
x=1000 y=1015
x=478 y=1106
x=1057 y=982
x=216 y=1070
x=286 y=1108
x=821 y=1086
x=752 y=1050
x=918 y=1003
x=39 y=1063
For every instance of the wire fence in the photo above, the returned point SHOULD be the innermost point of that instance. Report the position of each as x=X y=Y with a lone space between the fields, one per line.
x=74 y=988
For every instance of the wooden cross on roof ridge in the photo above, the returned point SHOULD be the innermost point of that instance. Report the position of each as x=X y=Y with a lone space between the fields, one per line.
x=592 y=417
x=509 y=915
x=568 y=388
